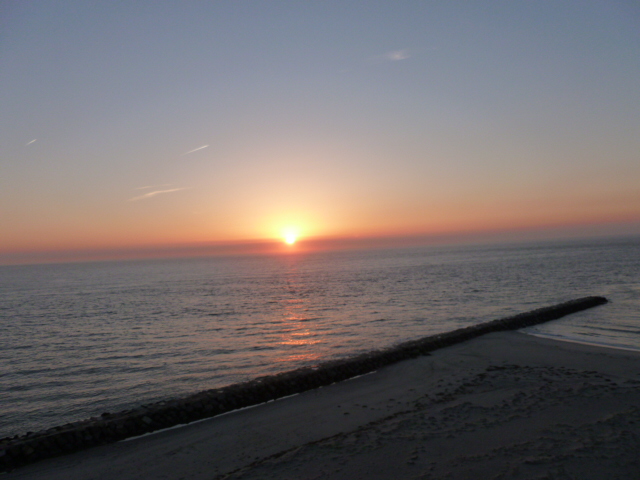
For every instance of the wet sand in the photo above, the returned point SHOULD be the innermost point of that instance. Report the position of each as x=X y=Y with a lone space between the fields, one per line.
x=505 y=405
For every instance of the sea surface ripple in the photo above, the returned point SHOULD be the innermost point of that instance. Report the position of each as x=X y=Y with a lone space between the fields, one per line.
x=80 y=339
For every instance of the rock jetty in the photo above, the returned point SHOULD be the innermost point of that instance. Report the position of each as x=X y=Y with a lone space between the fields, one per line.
x=112 y=427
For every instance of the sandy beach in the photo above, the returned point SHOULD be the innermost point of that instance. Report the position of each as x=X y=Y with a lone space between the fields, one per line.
x=505 y=405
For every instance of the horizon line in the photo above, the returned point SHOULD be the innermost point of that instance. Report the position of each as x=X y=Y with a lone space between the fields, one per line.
x=317 y=244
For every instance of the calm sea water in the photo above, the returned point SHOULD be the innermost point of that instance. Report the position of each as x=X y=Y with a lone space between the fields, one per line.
x=77 y=340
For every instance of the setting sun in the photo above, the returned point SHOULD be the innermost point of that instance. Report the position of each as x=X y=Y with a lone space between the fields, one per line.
x=290 y=236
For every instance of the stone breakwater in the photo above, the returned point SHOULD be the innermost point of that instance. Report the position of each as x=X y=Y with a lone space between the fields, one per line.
x=112 y=427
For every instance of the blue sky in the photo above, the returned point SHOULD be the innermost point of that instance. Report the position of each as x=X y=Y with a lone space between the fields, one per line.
x=242 y=119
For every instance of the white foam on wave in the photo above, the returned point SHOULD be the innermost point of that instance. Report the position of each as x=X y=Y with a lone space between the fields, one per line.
x=561 y=338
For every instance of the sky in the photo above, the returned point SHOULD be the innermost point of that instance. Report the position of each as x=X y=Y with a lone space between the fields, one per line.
x=152 y=127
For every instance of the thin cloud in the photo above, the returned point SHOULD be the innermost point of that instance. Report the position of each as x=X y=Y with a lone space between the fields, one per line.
x=27 y=144
x=194 y=150
x=397 y=55
x=392 y=56
x=156 y=192
x=153 y=186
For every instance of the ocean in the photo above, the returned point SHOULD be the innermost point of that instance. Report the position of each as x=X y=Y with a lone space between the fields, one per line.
x=80 y=339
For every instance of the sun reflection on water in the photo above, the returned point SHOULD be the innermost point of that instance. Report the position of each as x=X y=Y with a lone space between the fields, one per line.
x=297 y=330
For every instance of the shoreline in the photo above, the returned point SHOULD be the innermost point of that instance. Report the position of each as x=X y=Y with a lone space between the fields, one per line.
x=580 y=342
x=182 y=425
x=506 y=403
x=109 y=428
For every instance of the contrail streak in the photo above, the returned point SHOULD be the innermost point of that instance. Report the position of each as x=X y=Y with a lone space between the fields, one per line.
x=157 y=192
x=194 y=150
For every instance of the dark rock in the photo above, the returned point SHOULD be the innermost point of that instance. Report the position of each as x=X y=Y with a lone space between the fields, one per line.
x=21 y=450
